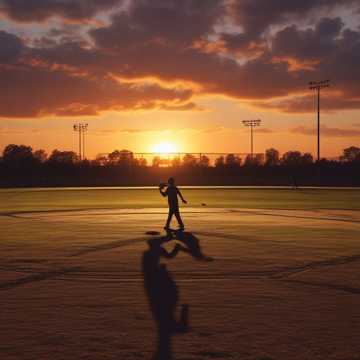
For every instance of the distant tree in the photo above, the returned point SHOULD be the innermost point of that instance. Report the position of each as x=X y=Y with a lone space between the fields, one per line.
x=122 y=158
x=232 y=160
x=114 y=157
x=272 y=157
x=142 y=162
x=248 y=160
x=351 y=154
x=40 y=156
x=176 y=162
x=295 y=158
x=189 y=160
x=259 y=159
x=100 y=160
x=204 y=161
x=18 y=155
x=307 y=158
x=220 y=162
x=255 y=160
x=292 y=158
x=63 y=157
x=126 y=157
x=156 y=161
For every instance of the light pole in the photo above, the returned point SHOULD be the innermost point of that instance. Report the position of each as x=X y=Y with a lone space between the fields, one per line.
x=84 y=129
x=318 y=85
x=81 y=129
x=252 y=124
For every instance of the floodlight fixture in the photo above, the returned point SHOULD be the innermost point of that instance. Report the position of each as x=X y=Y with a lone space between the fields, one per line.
x=81 y=128
x=317 y=86
x=252 y=123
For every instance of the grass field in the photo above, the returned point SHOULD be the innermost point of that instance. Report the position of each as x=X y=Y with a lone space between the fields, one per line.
x=283 y=284
x=19 y=200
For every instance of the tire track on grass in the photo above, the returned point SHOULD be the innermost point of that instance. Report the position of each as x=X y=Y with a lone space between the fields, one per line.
x=295 y=216
x=52 y=274
x=344 y=288
x=36 y=277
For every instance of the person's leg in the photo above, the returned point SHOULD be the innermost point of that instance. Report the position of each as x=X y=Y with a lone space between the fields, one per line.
x=184 y=317
x=168 y=221
x=178 y=218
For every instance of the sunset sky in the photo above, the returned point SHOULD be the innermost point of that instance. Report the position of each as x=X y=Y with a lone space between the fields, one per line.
x=183 y=72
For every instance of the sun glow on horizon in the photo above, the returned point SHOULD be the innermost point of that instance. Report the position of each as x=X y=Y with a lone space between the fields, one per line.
x=164 y=148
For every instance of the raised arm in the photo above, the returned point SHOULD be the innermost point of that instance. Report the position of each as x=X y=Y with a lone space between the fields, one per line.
x=182 y=199
x=162 y=191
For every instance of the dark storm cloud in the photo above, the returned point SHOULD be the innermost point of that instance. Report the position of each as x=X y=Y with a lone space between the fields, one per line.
x=311 y=43
x=255 y=16
x=211 y=72
x=11 y=47
x=165 y=49
x=160 y=21
x=174 y=20
x=38 y=92
x=335 y=55
x=139 y=58
x=148 y=50
x=40 y=10
x=33 y=87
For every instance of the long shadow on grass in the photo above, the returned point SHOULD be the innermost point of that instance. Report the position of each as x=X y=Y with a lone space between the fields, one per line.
x=162 y=290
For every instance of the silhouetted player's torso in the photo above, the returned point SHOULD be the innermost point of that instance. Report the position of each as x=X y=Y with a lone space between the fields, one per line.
x=172 y=192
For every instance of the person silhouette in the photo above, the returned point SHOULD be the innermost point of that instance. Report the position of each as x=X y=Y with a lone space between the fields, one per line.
x=163 y=295
x=172 y=193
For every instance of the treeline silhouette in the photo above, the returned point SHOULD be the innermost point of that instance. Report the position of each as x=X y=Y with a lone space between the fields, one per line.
x=21 y=166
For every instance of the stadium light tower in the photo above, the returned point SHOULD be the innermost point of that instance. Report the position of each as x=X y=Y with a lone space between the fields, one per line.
x=252 y=124
x=81 y=129
x=318 y=85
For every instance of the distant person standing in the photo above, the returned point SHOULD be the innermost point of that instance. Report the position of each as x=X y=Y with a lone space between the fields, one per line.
x=294 y=182
x=172 y=193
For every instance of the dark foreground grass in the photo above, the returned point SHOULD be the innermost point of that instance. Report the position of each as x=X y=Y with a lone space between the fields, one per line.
x=28 y=200
x=282 y=284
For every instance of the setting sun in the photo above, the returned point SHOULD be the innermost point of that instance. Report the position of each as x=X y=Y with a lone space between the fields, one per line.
x=164 y=148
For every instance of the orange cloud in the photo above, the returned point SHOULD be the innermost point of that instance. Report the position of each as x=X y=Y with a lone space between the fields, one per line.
x=160 y=55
